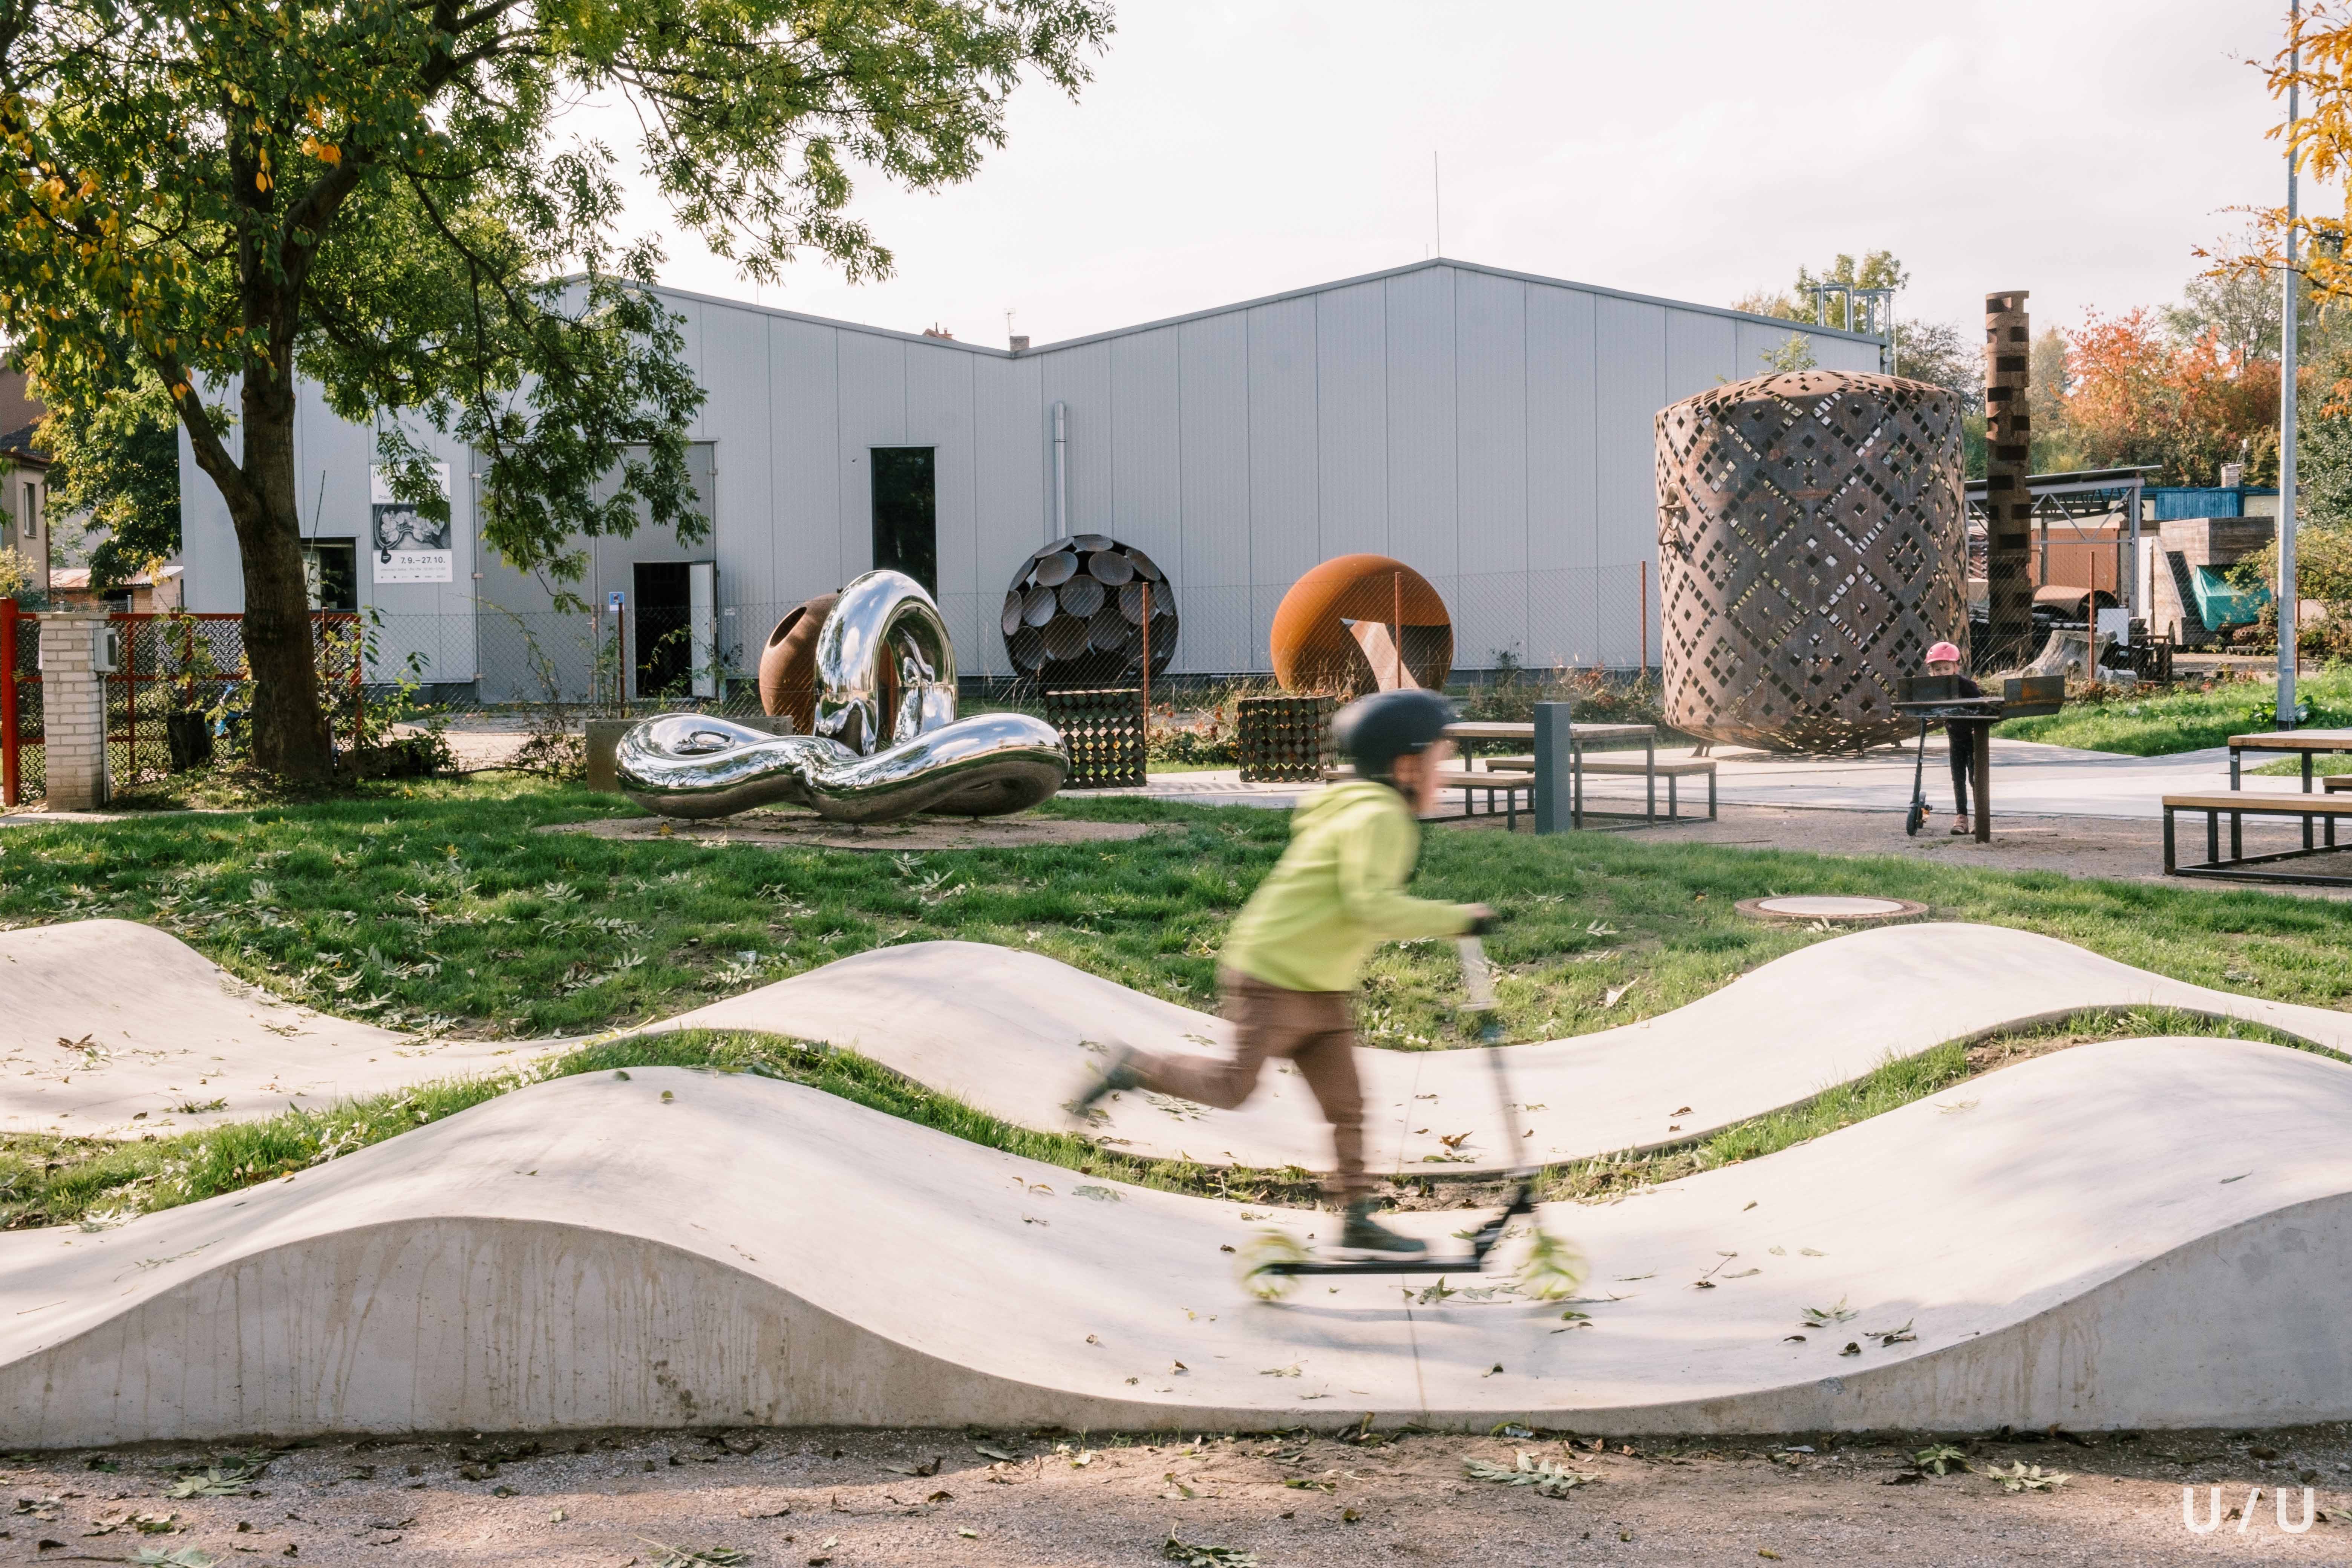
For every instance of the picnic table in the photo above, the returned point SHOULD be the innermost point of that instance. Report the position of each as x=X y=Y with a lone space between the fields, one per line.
x=1469 y=732
x=2304 y=744
x=2309 y=743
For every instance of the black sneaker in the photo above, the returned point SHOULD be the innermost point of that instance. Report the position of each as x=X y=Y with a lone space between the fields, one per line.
x=1117 y=1073
x=1362 y=1233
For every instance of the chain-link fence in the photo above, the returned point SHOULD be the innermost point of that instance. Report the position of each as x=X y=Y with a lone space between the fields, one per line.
x=640 y=659
x=180 y=682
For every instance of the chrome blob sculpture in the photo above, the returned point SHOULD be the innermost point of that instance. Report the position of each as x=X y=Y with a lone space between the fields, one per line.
x=888 y=743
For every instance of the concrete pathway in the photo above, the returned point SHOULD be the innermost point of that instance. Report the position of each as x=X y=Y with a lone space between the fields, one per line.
x=113 y=1029
x=2141 y=1234
x=2028 y=778
x=1016 y=1034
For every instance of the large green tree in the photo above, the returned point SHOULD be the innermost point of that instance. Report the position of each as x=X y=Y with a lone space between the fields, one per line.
x=214 y=195
x=115 y=461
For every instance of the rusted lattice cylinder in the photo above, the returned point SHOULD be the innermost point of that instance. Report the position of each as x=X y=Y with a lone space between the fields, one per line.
x=2009 y=505
x=1810 y=549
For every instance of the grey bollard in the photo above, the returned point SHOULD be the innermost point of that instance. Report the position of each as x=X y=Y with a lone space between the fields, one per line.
x=1556 y=803
x=604 y=740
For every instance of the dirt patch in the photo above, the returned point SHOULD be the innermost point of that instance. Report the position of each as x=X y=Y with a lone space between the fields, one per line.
x=805 y=830
x=921 y=1497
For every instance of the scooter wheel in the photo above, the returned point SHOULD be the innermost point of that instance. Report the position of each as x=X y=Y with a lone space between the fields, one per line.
x=1915 y=820
x=1256 y=1259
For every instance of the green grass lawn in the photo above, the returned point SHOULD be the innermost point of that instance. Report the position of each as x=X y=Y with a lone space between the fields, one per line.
x=2188 y=718
x=435 y=906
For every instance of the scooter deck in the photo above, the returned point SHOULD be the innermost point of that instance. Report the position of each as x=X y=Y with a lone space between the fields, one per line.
x=1378 y=1266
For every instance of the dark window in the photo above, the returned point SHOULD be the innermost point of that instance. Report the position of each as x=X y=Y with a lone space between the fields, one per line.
x=331 y=571
x=661 y=604
x=906 y=514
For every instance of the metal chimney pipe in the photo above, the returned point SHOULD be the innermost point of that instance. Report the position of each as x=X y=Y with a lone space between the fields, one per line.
x=1061 y=470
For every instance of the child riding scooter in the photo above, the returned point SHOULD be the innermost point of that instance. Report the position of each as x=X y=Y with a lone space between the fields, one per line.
x=1294 y=953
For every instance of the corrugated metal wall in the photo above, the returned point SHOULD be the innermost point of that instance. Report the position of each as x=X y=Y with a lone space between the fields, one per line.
x=1491 y=429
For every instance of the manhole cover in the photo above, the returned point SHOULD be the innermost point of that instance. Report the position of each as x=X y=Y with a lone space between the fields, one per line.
x=1841 y=908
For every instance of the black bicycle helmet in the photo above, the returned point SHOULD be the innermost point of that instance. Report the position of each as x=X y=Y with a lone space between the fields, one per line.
x=1374 y=731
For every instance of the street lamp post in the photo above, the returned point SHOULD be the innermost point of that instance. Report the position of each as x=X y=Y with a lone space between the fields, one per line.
x=2290 y=599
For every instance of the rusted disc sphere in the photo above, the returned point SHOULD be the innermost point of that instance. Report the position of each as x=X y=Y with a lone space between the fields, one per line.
x=788 y=664
x=1324 y=625
x=1074 y=613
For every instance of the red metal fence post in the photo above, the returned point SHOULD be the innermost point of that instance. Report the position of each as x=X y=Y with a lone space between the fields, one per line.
x=7 y=702
x=130 y=696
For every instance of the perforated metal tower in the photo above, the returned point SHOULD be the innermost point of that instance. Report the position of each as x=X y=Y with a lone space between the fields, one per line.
x=1811 y=548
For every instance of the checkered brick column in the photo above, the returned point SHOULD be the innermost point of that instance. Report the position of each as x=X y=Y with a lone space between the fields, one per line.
x=2009 y=507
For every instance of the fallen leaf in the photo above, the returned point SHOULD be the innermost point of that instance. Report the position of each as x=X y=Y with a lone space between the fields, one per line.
x=1549 y=1478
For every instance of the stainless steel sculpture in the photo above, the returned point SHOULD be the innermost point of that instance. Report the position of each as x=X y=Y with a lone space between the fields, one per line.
x=1811 y=548
x=888 y=741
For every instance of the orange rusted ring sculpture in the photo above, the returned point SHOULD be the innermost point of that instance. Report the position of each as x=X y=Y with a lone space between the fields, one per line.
x=1332 y=631
x=788 y=664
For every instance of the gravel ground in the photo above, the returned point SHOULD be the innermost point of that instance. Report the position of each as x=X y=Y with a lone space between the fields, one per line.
x=847 y=1499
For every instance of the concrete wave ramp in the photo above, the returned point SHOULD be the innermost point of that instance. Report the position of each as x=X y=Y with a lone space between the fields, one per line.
x=110 y=1029
x=2139 y=1233
x=1015 y=1033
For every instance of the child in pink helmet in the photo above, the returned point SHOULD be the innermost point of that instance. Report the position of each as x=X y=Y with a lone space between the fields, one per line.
x=1944 y=659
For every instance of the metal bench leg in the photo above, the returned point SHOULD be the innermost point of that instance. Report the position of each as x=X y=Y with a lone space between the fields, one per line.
x=2237 y=836
x=1650 y=773
x=2169 y=860
x=2212 y=838
x=1674 y=806
x=1710 y=795
x=1511 y=809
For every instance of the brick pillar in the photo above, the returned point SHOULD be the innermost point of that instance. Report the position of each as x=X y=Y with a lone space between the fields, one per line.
x=73 y=710
x=2009 y=506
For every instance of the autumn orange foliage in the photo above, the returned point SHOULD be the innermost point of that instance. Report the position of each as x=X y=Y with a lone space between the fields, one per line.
x=2138 y=397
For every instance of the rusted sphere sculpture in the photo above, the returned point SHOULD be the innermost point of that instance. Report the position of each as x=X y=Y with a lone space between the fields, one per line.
x=1810 y=549
x=1361 y=622
x=788 y=664
x=1074 y=613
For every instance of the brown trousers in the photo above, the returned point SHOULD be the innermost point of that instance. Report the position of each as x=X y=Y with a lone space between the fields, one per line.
x=1312 y=1028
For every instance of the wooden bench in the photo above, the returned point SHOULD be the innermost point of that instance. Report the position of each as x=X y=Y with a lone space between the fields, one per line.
x=2335 y=784
x=2328 y=808
x=1673 y=772
x=1509 y=786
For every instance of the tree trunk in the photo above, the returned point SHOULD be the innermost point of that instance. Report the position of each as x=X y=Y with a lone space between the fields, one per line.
x=290 y=736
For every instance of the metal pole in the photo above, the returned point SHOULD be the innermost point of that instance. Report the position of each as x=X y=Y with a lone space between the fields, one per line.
x=1643 y=607
x=2290 y=601
x=1396 y=626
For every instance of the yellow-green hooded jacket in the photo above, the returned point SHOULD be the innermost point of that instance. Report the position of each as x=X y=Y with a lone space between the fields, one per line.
x=1337 y=893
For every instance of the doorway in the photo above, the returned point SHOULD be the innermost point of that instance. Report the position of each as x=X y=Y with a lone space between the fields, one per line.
x=675 y=639
x=906 y=514
x=662 y=605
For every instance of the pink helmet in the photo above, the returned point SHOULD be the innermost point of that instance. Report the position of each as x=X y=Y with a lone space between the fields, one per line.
x=1943 y=653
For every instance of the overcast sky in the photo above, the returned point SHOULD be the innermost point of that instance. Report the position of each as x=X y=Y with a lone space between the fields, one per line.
x=2079 y=149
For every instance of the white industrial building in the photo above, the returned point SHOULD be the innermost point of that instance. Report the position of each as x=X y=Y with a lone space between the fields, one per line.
x=1490 y=428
